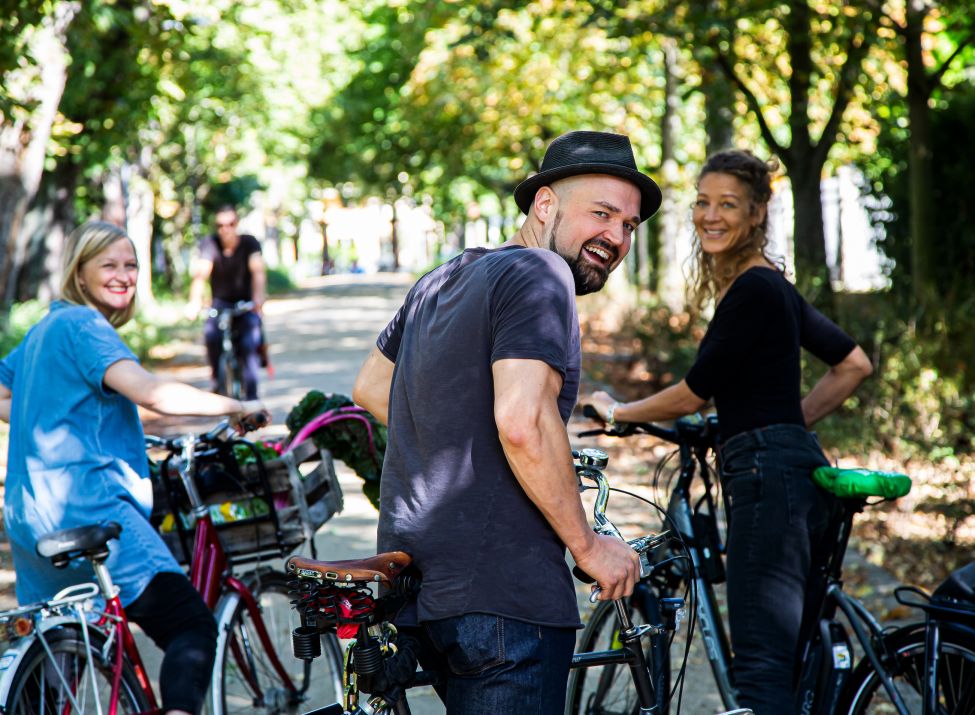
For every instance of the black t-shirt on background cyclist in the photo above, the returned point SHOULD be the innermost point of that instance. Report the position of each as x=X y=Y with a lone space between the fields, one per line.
x=231 y=279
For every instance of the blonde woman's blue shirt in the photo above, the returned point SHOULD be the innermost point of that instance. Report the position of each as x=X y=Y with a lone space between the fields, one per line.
x=76 y=454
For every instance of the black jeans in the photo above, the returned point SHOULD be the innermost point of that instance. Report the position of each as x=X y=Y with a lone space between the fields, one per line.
x=172 y=613
x=248 y=327
x=777 y=518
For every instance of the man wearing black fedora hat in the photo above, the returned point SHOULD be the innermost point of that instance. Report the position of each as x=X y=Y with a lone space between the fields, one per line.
x=476 y=376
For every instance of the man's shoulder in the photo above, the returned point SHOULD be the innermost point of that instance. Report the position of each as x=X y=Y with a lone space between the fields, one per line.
x=535 y=263
x=250 y=242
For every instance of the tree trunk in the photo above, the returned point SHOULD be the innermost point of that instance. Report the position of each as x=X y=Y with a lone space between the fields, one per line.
x=812 y=272
x=139 y=213
x=669 y=282
x=23 y=142
x=920 y=168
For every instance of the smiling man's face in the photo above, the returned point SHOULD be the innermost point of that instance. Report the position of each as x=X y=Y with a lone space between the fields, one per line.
x=593 y=226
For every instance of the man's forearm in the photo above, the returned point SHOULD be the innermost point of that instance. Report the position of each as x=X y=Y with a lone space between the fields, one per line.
x=540 y=457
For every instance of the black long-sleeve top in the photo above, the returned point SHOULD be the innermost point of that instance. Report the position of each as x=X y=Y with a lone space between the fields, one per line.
x=748 y=360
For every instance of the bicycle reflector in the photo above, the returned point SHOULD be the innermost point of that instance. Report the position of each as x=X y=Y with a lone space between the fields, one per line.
x=16 y=627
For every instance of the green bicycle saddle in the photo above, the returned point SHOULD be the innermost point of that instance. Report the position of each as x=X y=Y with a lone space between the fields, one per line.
x=861 y=483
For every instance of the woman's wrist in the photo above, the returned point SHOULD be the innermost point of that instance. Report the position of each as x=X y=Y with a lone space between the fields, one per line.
x=611 y=415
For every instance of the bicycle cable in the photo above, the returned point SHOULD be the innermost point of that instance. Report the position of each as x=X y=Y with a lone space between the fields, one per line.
x=678 y=686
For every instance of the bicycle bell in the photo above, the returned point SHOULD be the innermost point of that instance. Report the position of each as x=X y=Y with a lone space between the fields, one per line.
x=592 y=457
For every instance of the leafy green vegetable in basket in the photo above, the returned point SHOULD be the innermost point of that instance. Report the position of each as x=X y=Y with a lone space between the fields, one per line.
x=245 y=455
x=347 y=439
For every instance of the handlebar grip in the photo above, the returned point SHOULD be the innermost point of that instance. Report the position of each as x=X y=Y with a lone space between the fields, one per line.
x=590 y=412
x=255 y=420
x=582 y=575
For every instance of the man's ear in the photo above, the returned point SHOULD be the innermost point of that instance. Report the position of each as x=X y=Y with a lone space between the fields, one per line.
x=546 y=203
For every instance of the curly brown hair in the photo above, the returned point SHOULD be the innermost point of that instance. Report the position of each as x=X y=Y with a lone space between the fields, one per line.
x=711 y=274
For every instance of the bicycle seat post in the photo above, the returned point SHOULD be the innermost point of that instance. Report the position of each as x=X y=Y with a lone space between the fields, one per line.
x=105 y=584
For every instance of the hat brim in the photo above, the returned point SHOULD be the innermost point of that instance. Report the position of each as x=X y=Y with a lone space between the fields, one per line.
x=650 y=196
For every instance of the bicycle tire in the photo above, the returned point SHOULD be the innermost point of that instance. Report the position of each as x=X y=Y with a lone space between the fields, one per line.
x=609 y=689
x=36 y=688
x=242 y=663
x=865 y=695
x=230 y=380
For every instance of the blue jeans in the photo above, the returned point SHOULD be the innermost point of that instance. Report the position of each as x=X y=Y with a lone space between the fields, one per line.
x=777 y=518
x=497 y=665
x=247 y=329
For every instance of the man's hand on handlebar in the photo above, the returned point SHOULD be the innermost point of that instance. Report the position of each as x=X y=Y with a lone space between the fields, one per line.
x=613 y=564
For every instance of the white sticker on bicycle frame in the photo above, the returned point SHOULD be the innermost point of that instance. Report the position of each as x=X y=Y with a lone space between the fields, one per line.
x=7 y=660
x=841 y=657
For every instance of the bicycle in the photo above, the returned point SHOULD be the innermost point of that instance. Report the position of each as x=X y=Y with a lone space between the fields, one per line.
x=337 y=595
x=58 y=661
x=230 y=372
x=932 y=662
x=253 y=613
x=826 y=662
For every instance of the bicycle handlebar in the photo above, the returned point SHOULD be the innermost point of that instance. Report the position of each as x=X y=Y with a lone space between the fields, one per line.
x=237 y=309
x=693 y=430
x=248 y=423
x=592 y=460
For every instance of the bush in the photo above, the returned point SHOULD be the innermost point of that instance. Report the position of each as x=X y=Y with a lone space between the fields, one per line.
x=279 y=281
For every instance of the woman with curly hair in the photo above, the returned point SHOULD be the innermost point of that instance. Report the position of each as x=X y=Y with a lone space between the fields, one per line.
x=749 y=363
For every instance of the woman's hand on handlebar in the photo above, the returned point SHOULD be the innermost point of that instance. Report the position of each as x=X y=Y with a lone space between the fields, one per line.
x=613 y=564
x=251 y=416
x=600 y=402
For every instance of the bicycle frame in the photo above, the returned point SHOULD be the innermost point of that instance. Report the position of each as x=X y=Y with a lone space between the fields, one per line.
x=125 y=642
x=631 y=655
x=713 y=635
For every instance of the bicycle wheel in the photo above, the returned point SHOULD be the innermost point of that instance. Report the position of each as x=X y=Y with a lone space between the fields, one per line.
x=72 y=680
x=245 y=680
x=864 y=694
x=230 y=380
x=609 y=689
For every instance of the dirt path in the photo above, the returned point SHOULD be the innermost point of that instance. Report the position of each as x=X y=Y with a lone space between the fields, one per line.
x=319 y=337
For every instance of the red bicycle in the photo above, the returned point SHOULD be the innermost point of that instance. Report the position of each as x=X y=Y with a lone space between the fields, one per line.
x=255 y=670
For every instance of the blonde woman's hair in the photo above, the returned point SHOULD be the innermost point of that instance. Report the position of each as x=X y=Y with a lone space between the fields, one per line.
x=712 y=274
x=84 y=243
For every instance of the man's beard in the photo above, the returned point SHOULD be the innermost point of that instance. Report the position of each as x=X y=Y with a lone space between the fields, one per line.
x=588 y=277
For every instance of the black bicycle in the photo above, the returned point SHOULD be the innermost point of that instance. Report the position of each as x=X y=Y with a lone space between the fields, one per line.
x=230 y=370
x=827 y=683
x=380 y=661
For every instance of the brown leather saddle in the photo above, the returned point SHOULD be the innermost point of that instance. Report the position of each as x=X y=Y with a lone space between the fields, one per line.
x=381 y=568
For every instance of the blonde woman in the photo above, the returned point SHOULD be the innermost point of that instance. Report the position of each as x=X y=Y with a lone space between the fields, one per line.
x=749 y=363
x=77 y=456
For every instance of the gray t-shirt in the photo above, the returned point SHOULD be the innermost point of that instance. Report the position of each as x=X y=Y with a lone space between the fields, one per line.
x=449 y=497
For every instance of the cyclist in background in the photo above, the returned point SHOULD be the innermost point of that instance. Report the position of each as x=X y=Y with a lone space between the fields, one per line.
x=749 y=362
x=77 y=456
x=233 y=265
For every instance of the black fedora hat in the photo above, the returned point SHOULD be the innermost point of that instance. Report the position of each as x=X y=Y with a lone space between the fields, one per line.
x=586 y=152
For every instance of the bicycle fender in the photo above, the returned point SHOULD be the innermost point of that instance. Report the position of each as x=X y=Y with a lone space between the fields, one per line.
x=11 y=658
x=223 y=614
